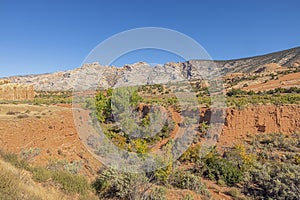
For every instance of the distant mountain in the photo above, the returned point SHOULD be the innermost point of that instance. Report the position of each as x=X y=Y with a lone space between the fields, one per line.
x=286 y=58
x=94 y=76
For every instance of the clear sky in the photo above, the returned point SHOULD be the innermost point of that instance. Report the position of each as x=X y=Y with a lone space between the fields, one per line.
x=39 y=36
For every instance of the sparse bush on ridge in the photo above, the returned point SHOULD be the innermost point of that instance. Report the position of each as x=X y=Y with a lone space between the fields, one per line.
x=187 y=197
x=112 y=183
x=68 y=182
x=15 y=161
x=187 y=180
x=274 y=181
x=274 y=175
x=216 y=167
x=71 y=183
x=157 y=193
x=21 y=116
x=41 y=174
x=12 y=113
x=234 y=192
x=73 y=167
x=191 y=154
x=30 y=153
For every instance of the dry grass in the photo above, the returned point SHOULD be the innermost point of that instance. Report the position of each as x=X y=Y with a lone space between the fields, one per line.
x=17 y=184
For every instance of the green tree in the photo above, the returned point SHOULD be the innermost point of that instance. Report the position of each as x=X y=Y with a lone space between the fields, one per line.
x=123 y=105
x=102 y=107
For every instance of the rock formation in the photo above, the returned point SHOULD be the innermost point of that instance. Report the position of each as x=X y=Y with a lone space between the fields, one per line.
x=96 y=76
x=15 y=92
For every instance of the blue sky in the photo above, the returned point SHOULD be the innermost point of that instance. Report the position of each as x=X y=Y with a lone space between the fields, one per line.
x=39 y=36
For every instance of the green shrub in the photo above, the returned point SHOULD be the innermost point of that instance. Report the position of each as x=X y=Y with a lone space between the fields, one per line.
x=112 y=183
x=103 y=107
x=234 y=192
x=157 y=193
x=191 y=154
x=275 y=176
x=188 y=197
x=165 y=165
x=71 y=183
x=277 y=147
x=204 y=126
x=236 y=92
x=187 y=180
x=274 y=181
x=73 y=167
x=162 y=174
x=240 y=156
x=30 y=153
x=217 y=167
x=15 y=161
x=221 y=182
x=41 y=174
x=12 y=113
x=21 y=116
x=140 y=146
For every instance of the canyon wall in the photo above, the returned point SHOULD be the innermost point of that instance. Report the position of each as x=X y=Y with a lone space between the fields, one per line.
x=242 y=123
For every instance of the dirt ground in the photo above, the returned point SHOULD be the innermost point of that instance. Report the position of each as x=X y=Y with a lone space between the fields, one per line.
x=50 y=128
x=285 y=81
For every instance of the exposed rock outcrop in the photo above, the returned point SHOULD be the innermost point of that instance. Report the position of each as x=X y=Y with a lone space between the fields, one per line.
x=16 y=92
x=259 y=119
x=242 y=123
x=263 y=119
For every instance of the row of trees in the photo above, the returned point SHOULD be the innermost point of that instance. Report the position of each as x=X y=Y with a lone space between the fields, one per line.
x=239 y=92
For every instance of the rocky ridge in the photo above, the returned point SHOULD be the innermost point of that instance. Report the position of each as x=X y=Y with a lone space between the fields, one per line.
x=91 y=76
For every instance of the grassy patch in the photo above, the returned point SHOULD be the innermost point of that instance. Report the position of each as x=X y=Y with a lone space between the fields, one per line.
x=71 y=183
x=68 y=182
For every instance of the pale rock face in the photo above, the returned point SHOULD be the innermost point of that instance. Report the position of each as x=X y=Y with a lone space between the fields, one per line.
x=136 y=74
x=166 y=73
x=92 y=76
